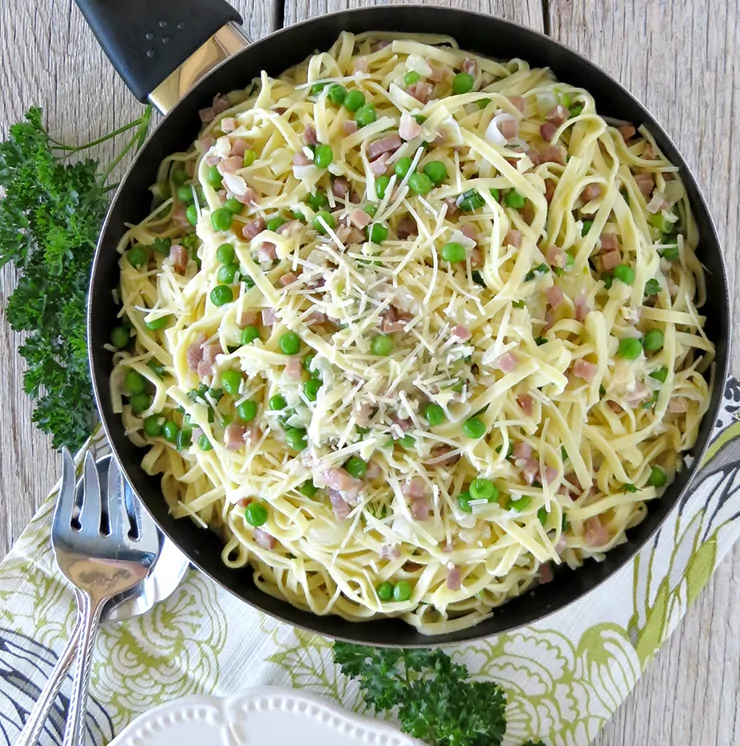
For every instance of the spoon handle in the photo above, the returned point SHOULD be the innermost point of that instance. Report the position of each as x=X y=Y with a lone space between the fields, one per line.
x=37 y=717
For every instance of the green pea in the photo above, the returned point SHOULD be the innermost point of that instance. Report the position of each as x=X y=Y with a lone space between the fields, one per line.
x=204 y=444
x=227 y=274
x=327 y=218
x=153 y=426
x=316 y=88
x=382 y=345
x=140 y=402
x=661 y=374
x=134 y=382
x=512 y=198
x=483 y=489
x=170 y=431
x=256 y=514
x=214 y=177
x=657 y=477
x=233 y=205
x=179 y=177
x=542 y=515
x=230 y=381
x=221 y=219
x=462 y=83
x=249 y=158
x=324 y=156
x=311 y=388
x=434 y=414
x=420 y=183
x=520 y=504
x=184 y=439
x=371 y=208
x=378 y=233
x=249 y=334
x=436 y=171
x=308 y=489
x=411 y=78
x=407 y=441
x=385 y=592
x=652 y=287
x=482 y=103
x=366 y=115
x=402 y=591
x=337 y=93
x=624 y=273
x=496 y=194
x=402 y=167
x=453 y=252
x=226 y=253
x=157 y=324
x=653 y=340
x=463 y=500
x=629 y=348
x=354 y=100
x=356 y=466
x=277 y=403
x=381 y=184
x=247 y=410
x=474 y=427
x=671 y=253
x=191 y=214
x=317 y=200
x=295 y=437
x=586 y=227
x=221 y=295
x=274 y=223
x=120 y=337
x=137 y=256
x=290 y=343
x=185 y=193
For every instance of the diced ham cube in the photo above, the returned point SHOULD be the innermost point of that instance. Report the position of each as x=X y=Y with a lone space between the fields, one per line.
x=596 y=533
x=301 y=159
x=513 y=238
x=340 y=187
x=585 y=370
x=250 y=197
x=526 y=402
x=553 y=154
x=444 y=454
x=340 y=506
x=509 y=127
x=291 y=228
x=265 y=540
x=420 y=509
x=388 y=144
x=610 y=260
x=547 y=131
x=645 y=183
x=461 y=332
x=234 y=436
x=469 y=232
x=648 y=153
x=628 y=131
x=194 y=354
x=247 y=318
x=581 y=306
x=212 y=159
x=476 y=258
x=360 y=65
x=230 y=165
x=545 y=573
x=554 y=296
x=530 y=469
x=592 y=191
x=294 y=368
x=609 y=242
x=288 y=279
x=519 y=103
x=341 y=480
x=379 y=167
x=551 y=474
x=550 y=187
x=360 y=219
x=207 y=115
x=309 y=136
x=350 y=127
x=373 y=470
x=238 y=148
x=454 y=579
x=453 y=209
x=658 y=203
x=414 y=488
x=229 y=124
x=389 y=551
x=220 y=103
x=421 y=91
x=180 y=217
x=557 y=115
x=409 y=127
x=266 y=252
x=507 y=362
x=253 y=228
x=556 y=256
x=269 y=317
x=179 y=258
x=678 y=404
x=522 y=450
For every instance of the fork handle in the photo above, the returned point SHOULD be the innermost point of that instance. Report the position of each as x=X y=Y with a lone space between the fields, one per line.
x=37 y=717
x=90 y=612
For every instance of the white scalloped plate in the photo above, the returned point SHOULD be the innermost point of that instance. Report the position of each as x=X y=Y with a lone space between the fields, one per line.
x=269 y=716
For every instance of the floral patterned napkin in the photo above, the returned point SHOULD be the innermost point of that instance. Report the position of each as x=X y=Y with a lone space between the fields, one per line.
x=564 y=676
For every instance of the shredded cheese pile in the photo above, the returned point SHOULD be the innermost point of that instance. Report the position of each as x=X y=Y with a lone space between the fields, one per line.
x=525 y=399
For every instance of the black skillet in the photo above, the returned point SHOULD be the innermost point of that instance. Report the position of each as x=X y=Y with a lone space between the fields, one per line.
x=147 y=41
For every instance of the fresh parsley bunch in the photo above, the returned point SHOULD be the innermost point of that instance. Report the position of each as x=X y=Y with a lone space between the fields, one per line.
x=434 y=698
x=51 y=212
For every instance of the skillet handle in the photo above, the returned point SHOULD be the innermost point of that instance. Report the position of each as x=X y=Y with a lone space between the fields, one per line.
x=148 y=40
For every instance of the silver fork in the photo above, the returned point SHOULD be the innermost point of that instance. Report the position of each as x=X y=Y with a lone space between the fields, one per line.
x=103 y=552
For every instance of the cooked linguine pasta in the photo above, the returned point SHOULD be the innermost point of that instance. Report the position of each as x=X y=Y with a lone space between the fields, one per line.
x=408 y=327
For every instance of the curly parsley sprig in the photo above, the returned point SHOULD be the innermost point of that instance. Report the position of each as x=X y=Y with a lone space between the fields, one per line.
x=51 y=212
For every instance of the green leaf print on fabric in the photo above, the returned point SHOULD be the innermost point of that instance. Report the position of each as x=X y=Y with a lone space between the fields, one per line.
x=168 y=653
x=558 y=691
x=306 y=661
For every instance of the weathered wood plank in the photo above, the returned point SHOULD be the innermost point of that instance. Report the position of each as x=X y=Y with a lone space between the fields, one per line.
x=526 y=12
x=682 y=61
x=49 y=58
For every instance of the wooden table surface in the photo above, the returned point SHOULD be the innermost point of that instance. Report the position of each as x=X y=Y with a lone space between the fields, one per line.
x=680 y=59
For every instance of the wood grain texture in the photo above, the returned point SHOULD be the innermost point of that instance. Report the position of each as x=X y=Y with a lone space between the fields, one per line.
x=526 y=12
x=682 y=61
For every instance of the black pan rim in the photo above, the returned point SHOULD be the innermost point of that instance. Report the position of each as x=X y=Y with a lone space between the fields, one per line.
x=699 y=202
